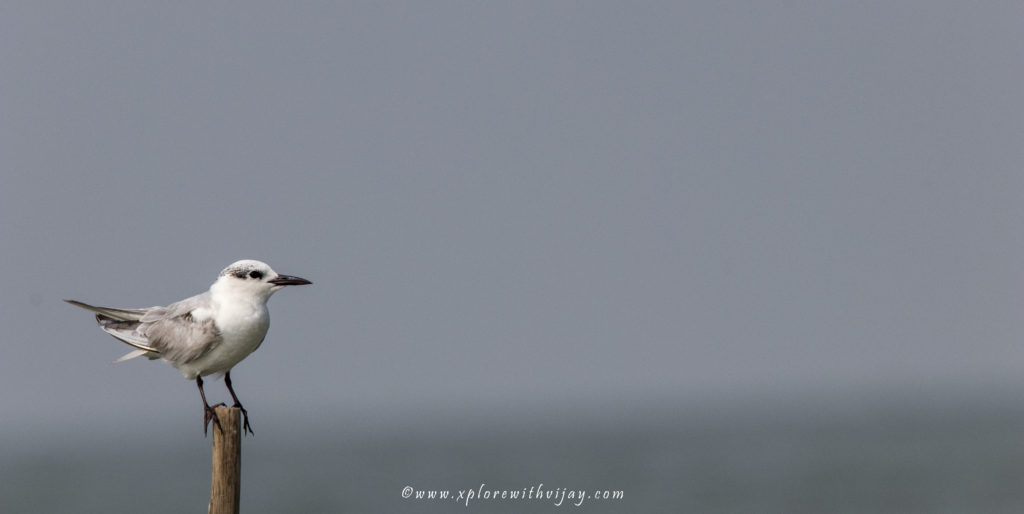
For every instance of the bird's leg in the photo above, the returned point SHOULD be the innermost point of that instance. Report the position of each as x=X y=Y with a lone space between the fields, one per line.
x=245 y=413
x=209 y=414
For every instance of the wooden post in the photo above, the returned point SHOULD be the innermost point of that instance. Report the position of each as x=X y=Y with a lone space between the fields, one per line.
x=227 y=461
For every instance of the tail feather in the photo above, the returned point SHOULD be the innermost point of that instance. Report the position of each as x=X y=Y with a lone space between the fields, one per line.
x=112 y=313
x=131 y=338
x=134 y=354
x=121 y=323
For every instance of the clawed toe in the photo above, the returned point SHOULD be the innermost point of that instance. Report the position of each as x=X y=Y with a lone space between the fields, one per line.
x=210 y=414
x=246 y=428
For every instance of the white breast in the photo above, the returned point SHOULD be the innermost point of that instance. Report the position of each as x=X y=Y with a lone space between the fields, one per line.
x=242 y=327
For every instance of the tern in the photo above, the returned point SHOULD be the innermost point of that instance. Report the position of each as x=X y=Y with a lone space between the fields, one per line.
x=206 y=334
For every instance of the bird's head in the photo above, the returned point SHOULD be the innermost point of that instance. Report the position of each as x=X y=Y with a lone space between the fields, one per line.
x=254 y=278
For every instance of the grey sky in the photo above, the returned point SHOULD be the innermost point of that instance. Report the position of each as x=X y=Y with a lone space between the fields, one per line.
x=516 y=202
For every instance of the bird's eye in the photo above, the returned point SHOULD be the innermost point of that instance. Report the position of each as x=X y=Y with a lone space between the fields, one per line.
x=255 y=274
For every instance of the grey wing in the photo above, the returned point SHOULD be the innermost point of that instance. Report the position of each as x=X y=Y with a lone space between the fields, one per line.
x=174 y=333
x=170 y=332
x=176 y=309
x=181 y=339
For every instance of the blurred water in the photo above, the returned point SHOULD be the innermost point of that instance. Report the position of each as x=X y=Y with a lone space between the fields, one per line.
x=881 y=456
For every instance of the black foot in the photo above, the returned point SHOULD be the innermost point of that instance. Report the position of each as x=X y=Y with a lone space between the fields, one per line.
x=210 y=414
x=246 y=429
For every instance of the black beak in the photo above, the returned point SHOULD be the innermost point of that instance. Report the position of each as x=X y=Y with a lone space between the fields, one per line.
x=288 y=280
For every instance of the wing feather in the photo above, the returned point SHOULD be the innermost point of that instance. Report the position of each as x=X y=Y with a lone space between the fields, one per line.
x=171 y=332
x=182 y=339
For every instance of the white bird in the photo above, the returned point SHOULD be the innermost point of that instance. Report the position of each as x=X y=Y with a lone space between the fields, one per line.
x=206 y=334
